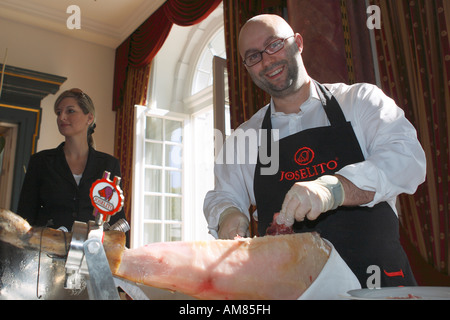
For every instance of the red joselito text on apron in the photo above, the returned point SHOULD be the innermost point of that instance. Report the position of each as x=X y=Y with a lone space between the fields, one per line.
x=303 y=157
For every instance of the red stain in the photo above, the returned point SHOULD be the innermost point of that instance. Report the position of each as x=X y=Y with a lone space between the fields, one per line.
x=394 y=274
x=207 y=285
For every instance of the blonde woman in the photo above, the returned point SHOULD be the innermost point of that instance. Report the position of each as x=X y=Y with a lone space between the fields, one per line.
x=56 y=187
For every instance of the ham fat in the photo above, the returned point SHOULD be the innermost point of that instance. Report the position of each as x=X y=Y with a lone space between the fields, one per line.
x=271 y=267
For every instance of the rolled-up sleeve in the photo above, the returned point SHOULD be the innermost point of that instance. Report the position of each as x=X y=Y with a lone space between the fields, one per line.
x=394 y=158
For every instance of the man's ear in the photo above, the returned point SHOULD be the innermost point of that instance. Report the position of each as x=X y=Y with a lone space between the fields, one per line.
x=299 y=40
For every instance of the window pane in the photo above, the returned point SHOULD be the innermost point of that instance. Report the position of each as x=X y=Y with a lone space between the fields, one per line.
x=152 y=181
x=152 y=232
x=174 y=131
x=153 y=128
x=173 y=232
x=218 y=45
x=152 y=207
x=173 y=182
x=173 y=156
x=201 y=81
x=153 y=153
x=162 y=190
x=173 y=208
x=206 y=61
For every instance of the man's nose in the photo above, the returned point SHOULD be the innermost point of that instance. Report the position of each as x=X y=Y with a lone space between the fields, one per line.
x=267 y=59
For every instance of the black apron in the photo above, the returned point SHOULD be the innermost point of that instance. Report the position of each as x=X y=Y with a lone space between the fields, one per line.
x=363 y=236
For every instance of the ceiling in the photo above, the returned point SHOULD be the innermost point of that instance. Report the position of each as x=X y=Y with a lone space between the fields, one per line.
x=104 y=22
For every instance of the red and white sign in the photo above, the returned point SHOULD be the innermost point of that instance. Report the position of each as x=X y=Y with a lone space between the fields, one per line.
x=106 y=196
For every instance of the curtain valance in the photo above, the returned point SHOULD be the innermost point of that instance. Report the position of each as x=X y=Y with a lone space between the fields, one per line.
x=141 y=47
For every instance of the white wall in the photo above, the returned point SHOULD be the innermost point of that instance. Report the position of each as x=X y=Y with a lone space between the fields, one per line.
x=86 y=66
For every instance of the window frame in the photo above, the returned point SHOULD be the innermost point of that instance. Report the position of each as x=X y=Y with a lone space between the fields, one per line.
x=138 y=220
x=187 y=105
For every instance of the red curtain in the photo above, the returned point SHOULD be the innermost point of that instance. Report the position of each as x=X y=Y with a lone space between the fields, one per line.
x=132 y=68
x=413 y=49
x=189 y=12
x=135 y=94
x=334 y=30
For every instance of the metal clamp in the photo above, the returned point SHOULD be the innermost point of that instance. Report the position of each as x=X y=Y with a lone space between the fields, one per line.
x=87 y=264
x=101 y=283
x=75 y=264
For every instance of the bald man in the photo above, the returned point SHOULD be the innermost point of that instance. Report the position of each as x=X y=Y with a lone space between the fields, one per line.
x=344 y=154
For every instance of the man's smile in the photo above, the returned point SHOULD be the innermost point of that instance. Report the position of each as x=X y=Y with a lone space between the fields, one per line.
x=275 y=72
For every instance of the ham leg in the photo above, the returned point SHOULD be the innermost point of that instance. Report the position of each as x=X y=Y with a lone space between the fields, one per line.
x=272 y=267
x=16 y=231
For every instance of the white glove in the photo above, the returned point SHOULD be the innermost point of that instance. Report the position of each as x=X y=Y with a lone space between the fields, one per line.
x=233 y=222
x=310 y=199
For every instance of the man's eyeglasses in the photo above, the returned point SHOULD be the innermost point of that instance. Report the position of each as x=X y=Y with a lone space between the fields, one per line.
x=272 y=48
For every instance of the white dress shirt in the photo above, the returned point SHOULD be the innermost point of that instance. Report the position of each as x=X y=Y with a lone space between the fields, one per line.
x=394 y=159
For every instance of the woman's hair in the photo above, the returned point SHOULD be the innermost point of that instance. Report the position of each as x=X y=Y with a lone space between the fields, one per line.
x=85 y=103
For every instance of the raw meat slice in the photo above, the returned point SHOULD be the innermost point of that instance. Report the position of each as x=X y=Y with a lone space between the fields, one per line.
x=275 y=229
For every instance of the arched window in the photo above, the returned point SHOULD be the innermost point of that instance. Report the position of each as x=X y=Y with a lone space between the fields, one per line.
x=175 y=168
x=203 y=76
